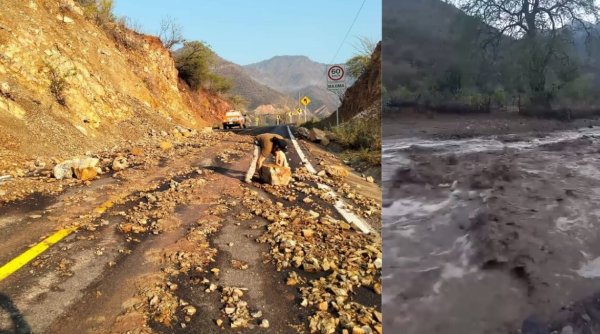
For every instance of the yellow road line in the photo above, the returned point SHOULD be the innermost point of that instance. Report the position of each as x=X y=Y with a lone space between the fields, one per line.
x=105 y=206
x=21 y=260
x=30 y=254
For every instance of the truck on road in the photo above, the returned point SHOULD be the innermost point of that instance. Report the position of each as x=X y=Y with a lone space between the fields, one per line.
x=234 y=118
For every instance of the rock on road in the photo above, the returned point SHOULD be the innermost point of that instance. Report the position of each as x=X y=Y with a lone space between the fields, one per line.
x=177 y=243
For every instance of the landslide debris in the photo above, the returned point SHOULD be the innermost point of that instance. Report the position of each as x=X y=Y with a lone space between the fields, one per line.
x=50 y=176
x=69 y=84
x=335 y=262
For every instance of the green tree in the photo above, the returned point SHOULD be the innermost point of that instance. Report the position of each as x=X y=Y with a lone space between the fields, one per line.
x=194 y=62
x=361 y=61
x=238 y=102
x=450 y=82
x=536 y=25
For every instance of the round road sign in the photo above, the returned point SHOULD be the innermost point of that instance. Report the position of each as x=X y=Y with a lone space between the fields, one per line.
x=335 y=73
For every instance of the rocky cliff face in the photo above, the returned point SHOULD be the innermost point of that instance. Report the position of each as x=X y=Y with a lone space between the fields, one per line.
x=68 y=85
x=364 y=97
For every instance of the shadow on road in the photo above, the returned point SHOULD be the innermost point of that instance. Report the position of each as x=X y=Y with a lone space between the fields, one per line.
x=234 y=174
x=19 y=325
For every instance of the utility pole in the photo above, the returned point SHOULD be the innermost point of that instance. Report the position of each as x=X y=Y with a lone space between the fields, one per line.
x=298 y=101
x=337 y=110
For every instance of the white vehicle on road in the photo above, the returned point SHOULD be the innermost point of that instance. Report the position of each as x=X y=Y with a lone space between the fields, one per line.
x=234 y=118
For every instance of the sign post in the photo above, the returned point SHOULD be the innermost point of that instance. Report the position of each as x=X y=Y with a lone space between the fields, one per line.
x=305 y=114
x=305 y=101
x=336 y=83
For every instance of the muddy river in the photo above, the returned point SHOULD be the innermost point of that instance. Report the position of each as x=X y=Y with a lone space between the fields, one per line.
x=496 y=234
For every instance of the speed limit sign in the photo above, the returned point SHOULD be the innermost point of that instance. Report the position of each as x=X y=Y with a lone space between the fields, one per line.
x=336 y=78
x=335 y=73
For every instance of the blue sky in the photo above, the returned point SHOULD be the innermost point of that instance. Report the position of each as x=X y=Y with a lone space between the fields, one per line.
x=246 y=32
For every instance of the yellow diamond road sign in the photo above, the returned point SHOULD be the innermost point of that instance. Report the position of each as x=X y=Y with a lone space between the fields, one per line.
x=305 y=101
x=299 y=111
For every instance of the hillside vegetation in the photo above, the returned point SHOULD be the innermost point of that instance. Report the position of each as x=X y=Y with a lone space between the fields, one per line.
x=359 y=131
x=438 y=57
x=74 y=78
x=364 y=93
x=360 y=114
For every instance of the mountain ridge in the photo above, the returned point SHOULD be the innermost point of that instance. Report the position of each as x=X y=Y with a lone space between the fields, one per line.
x=244 y=85
x=295 y=74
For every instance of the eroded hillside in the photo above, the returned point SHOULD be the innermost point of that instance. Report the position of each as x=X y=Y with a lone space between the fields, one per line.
x=68 y=86
x=364 y=96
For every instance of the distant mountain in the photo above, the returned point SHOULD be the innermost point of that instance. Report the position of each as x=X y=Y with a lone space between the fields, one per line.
x=288 y=73
x=278 y=81
x=244 y=85
x=295 y=74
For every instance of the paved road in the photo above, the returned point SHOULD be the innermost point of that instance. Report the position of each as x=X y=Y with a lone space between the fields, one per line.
x=107 y=278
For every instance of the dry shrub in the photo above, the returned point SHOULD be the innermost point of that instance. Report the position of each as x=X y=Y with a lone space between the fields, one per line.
x=359 y=134
x=122 y=30
x=58 y=83
x=122 y=34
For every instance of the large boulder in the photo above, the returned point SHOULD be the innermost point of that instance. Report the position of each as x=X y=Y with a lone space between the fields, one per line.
x=275 y=175
x=336 y=171
x=86 y=162
x=318 y=136
x=303 y=132
x=85 y=174
x=63 y=170
x=67 y=168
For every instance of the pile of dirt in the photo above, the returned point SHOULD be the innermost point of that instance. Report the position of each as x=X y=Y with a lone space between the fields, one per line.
x=69 y=85
x=337 y=269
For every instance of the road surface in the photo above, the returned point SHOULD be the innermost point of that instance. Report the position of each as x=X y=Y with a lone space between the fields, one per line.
x=178 y=243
